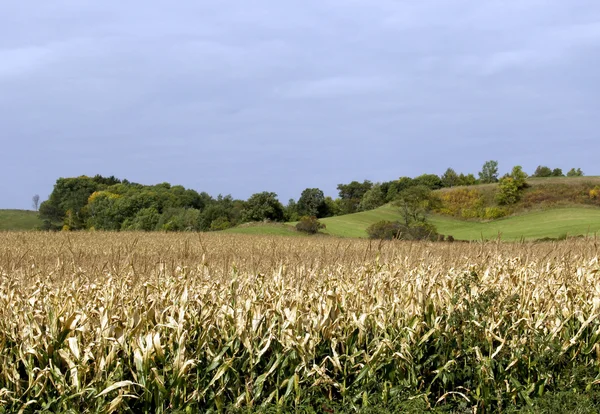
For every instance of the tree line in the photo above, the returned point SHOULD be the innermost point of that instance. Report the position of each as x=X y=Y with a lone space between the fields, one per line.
x=109 y=203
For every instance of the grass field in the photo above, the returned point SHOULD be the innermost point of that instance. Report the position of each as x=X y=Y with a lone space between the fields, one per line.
x=184 y=323
x=551 y=223
x=18 y=220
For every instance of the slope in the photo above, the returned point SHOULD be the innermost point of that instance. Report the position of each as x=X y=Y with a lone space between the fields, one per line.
x=18 y=220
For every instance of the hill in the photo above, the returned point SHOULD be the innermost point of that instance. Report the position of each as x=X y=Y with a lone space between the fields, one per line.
x=18 y=220
x=534 y=225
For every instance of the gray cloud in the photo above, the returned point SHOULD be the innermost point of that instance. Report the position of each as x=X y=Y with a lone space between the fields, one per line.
x=242 y=97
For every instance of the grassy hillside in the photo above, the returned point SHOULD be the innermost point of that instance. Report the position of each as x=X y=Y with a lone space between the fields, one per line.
x=18 y=220
x=534 y=225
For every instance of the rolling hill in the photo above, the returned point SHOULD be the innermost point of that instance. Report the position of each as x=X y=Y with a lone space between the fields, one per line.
x=18 y=220
x=549 y=223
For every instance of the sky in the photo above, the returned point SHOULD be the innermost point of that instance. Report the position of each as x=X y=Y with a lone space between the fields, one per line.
x=238 y=97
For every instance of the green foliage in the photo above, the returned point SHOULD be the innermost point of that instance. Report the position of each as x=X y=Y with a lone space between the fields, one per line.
x=263 y=206
x=415 y=203
x=373 y=198
x=557 y=172
x=309 y=224
x=450 y=178
x=312 y=203
x=489 y=172
x=179 y=219
x=542 y=171
x=431 y=181
x=575 y=172
x=511 y=186
x=493 y=213
x=351 y=194
x=388 y=230
x=468 y=179
x=508 y=191
x=146 y=219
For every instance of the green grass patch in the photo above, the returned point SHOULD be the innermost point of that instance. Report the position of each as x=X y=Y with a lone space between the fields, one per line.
x=554 y=223
x=18 y=220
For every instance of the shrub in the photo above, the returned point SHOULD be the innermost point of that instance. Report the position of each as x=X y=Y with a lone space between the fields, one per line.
x=388 y=230
x=595 y=193
x=309 y=224
x=461 y=202
x=493 y=213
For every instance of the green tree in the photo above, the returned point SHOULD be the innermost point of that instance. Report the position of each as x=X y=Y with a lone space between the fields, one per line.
x=430 y=181
x=415 y=203
x=450 y=178
x=542 y=171
x=468 y=179
x=511 y=186
x=263 y=206
x=312 y=203
x=351 y=194
x=575 y=172
x=557 y=172
x=373 y=198
x=489 y=172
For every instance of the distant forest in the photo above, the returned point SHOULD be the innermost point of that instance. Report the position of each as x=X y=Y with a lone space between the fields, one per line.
x=109 y=203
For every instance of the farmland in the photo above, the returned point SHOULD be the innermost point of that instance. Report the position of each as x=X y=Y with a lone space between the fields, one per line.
x=133 y=322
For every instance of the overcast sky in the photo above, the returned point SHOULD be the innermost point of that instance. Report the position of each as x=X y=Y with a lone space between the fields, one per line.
x=238 y=97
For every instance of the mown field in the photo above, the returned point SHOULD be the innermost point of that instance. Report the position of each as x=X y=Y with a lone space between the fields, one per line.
x=156 y=323
x=18 y=220
x=554 y=223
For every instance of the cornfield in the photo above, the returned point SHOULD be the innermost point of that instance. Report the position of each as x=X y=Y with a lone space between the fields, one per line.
x=154 y=323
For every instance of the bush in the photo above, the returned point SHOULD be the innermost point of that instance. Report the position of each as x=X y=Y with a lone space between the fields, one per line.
x=309 y=225
x=493 y=213
x=389 y=230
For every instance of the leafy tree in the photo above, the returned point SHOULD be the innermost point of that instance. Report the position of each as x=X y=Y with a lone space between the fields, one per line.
x=489 y=172
x=146 y=219
x=291 y=211
x=69 y=194
x=179 y=219
x=510 y=186
x=415 y=203
x=312 y=203
x=508 y=191
x=542 y=171
x=519 y=176
x=263 y=206
x=450 y=178
x=468 y=179
x=430 y=181
x=575 y=172
x=557 y=172
x=373 y=198
x=351 y=194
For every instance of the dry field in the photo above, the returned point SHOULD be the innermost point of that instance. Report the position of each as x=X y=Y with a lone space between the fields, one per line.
x=130 y=322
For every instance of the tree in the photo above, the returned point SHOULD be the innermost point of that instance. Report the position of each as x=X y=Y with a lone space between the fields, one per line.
x=542 y=171
x=557 y=172
x=430 y=181
x=575 y=172
x=489 y=172
x=373 y=198
x=468 y=179
x=263 y=206
x=511 y=186
x=36 y=202
x=312 y=203
x=450 y=178
x=351 y=194
x=415 y=203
